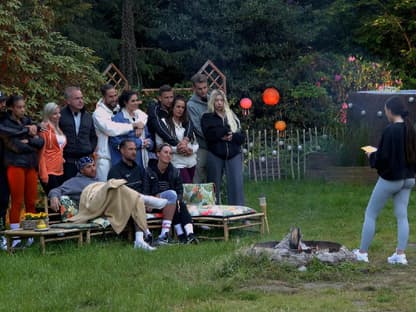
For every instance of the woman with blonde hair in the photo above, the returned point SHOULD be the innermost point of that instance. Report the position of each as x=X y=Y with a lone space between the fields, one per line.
x=51 y=158
x=222 y=131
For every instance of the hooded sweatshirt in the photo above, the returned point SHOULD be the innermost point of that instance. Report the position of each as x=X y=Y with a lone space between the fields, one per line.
x=196 y=108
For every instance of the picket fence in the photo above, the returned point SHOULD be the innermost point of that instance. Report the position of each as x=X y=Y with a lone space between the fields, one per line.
x=274 y=155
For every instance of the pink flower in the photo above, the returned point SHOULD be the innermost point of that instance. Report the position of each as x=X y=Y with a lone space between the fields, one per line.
x=399 y=82
x=344 y=106
x=318 y=84
x=381 y=87
x=351 y=58
x=338 y=77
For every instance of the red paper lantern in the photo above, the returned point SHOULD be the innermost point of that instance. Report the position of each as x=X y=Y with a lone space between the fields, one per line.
x=245 y=103
x=271 y=96
x=280 y=125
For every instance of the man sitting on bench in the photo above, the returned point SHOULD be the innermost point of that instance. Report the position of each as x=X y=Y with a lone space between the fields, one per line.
x=86 y=177
x=136 y=178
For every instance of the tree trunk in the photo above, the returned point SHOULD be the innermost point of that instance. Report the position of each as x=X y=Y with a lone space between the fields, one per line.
x=128 y=44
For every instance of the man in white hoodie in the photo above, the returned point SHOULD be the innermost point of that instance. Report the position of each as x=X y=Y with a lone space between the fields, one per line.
x=106 y=107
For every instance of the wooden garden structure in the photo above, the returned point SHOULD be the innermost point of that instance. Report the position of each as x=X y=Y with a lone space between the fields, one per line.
x=216 y=79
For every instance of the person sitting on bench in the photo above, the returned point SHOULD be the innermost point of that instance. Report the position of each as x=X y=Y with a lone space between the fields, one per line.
x=85 y=182
x=135 y=175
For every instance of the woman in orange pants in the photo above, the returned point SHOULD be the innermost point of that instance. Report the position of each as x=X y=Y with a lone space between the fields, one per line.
x=21 y=158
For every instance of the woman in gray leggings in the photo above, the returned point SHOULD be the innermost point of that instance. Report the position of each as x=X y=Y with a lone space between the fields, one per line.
x=395 y=160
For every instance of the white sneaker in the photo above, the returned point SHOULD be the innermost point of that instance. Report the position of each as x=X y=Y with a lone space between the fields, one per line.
x=397 y=259
x=17 y=243
x=360 y=256
x=30 y=241
x=143 y=245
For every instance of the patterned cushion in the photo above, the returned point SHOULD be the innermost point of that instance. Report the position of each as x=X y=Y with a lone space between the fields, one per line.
x=201 y=194
x=157 y=215
x=69 y=208
x=101 y=221
x=218 y=210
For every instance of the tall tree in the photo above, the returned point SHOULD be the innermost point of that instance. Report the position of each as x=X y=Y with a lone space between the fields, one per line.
x=128 y=44
x=38 y=62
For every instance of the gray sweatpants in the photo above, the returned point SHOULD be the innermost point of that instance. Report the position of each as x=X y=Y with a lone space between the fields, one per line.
x=233 y=169
x=400 y=192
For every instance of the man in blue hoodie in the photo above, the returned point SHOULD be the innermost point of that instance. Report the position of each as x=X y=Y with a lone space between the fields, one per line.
x=197 y=106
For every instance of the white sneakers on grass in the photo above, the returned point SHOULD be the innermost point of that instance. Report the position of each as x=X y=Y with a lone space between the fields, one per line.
x=393 y=259
x=360 y=256
x=397 y=259
x=143 y=245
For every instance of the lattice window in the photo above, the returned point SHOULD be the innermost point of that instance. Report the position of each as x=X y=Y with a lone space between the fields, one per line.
x=115 y=77
x=216 y=79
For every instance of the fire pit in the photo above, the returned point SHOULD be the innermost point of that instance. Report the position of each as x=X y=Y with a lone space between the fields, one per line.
x=293 y=250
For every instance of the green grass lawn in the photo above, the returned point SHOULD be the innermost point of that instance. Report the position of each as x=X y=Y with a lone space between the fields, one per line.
x=109 y=275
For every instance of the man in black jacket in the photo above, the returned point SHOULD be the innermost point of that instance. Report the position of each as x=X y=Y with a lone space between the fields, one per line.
x=78 y=126
x=137 y=179
x=160 y=110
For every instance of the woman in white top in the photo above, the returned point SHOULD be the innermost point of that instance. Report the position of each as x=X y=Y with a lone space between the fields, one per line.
x=51 y=158
x=184 y=154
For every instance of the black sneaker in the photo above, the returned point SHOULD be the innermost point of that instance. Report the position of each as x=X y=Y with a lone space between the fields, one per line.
x=163 y=241
x=192 y=239
x=183 y=239
x=149 y=239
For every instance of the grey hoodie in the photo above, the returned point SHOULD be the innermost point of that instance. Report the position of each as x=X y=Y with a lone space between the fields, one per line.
x=72 y=187
x=196 y=108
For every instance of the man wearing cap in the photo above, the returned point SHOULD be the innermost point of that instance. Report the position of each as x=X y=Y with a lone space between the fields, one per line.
x=85 y=179
x=74 y=186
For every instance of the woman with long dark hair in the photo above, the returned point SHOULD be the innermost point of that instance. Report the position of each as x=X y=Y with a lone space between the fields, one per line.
x=184 y=153
x=395 y=160
x=130 y=113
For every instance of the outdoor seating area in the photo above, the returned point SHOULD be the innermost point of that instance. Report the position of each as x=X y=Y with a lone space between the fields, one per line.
x=200 y=199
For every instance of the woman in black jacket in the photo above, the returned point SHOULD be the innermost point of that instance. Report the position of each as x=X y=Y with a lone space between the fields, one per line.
x=21 y=159
x=222 y=131
x=395 y=161
x=167 y=178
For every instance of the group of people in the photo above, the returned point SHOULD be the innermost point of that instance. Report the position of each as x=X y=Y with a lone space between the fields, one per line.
x=176 y=141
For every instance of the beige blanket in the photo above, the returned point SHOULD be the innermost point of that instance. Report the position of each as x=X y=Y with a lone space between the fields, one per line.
x=113 y=200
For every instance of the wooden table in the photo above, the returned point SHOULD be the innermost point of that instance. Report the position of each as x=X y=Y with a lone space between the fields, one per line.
x=44 y=236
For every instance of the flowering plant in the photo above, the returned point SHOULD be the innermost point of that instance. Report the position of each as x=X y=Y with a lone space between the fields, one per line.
x=35 y=216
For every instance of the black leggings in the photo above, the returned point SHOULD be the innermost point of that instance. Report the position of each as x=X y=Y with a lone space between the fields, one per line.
x=182 y=215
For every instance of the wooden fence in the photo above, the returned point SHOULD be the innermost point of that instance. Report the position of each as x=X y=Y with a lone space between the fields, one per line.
x=270 y=155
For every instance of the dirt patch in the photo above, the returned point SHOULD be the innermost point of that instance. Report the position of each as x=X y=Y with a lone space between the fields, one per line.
x=274 y=287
